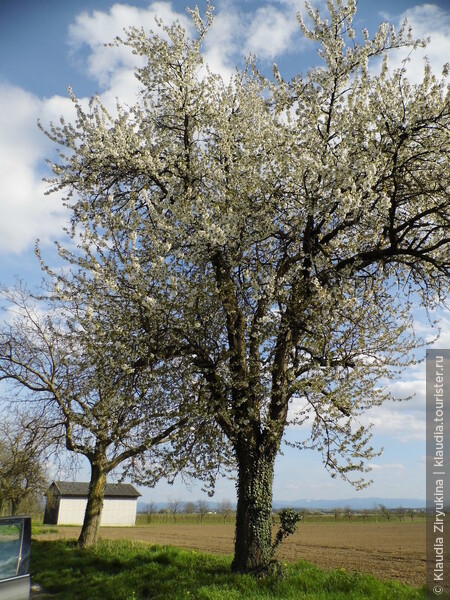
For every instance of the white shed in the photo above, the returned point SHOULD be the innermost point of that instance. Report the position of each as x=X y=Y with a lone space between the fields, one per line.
x=66 y=504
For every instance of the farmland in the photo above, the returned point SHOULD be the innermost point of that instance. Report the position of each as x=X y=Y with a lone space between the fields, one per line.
x=388 y=551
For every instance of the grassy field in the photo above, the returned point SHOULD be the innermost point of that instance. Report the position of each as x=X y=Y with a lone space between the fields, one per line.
x=307 y=517
x=127 y=570
x=388 y=551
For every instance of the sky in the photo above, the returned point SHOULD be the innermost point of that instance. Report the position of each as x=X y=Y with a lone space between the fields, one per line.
x=48 y=45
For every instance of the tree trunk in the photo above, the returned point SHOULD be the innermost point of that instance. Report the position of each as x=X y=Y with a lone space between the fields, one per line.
x=14 y=507
x=89 y=531
x=253 y=541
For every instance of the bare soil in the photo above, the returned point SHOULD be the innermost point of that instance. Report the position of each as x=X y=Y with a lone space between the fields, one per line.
x=389 y=551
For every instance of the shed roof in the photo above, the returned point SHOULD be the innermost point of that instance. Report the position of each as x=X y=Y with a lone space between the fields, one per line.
x=81 y=489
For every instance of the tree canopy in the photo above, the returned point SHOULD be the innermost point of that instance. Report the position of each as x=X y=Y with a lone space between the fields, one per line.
x=24 y=451
x=270 y=233
x=58 y=357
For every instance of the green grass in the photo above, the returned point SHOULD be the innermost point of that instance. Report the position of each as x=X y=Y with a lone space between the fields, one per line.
x=216 y=519
x=38 y=529
x=124 y=570
x=143 y=519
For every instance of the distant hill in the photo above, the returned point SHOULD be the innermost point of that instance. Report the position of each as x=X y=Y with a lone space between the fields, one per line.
x=353 y=503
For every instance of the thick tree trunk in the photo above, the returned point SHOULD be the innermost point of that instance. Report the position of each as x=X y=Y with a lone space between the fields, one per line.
x=253 y=542
x=94 y=507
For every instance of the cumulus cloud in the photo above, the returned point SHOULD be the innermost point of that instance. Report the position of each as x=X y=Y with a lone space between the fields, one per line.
x=412 y=390
x=404 y=425
x=98 y=28
x=270 y=32
x=113 y=67
x=402 y=420
x=26 y=213
x=223 y=45
x=427 y=21
x=386 y=467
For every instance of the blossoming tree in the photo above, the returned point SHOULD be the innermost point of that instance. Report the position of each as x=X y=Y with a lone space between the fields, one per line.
x=276 y=231
x=66 y=362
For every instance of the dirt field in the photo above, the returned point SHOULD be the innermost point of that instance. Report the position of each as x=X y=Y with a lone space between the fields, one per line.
x=386 y=550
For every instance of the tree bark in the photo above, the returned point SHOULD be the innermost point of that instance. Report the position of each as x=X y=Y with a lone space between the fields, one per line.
x=89 y=531
x=253 y=540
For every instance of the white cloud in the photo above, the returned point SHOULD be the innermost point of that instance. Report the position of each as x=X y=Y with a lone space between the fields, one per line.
x=25 y=212
x=270 y=32
x=386 y=467
x=426 y=20
x=403 y=425
x=123 y=86
x=412 y=388
x=113 y=67
x=99 y=28
x=224 y=43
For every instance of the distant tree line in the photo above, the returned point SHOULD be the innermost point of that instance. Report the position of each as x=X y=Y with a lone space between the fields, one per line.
x=177 y=510
x=199 y=509
x=348 y=514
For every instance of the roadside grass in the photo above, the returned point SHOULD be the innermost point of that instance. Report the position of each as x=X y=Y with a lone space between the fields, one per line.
x=38 y=528
x=126 y=570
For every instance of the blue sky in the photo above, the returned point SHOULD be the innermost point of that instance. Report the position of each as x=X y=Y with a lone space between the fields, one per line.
x=47 y=45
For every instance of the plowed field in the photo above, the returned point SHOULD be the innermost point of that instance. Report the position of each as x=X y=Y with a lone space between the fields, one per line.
x=386 y=550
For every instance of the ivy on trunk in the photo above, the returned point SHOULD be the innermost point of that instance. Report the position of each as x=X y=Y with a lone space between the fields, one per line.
x=253 y=539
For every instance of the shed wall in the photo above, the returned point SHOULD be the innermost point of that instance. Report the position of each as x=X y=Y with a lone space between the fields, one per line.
x=118 y=512
x=71 y=511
